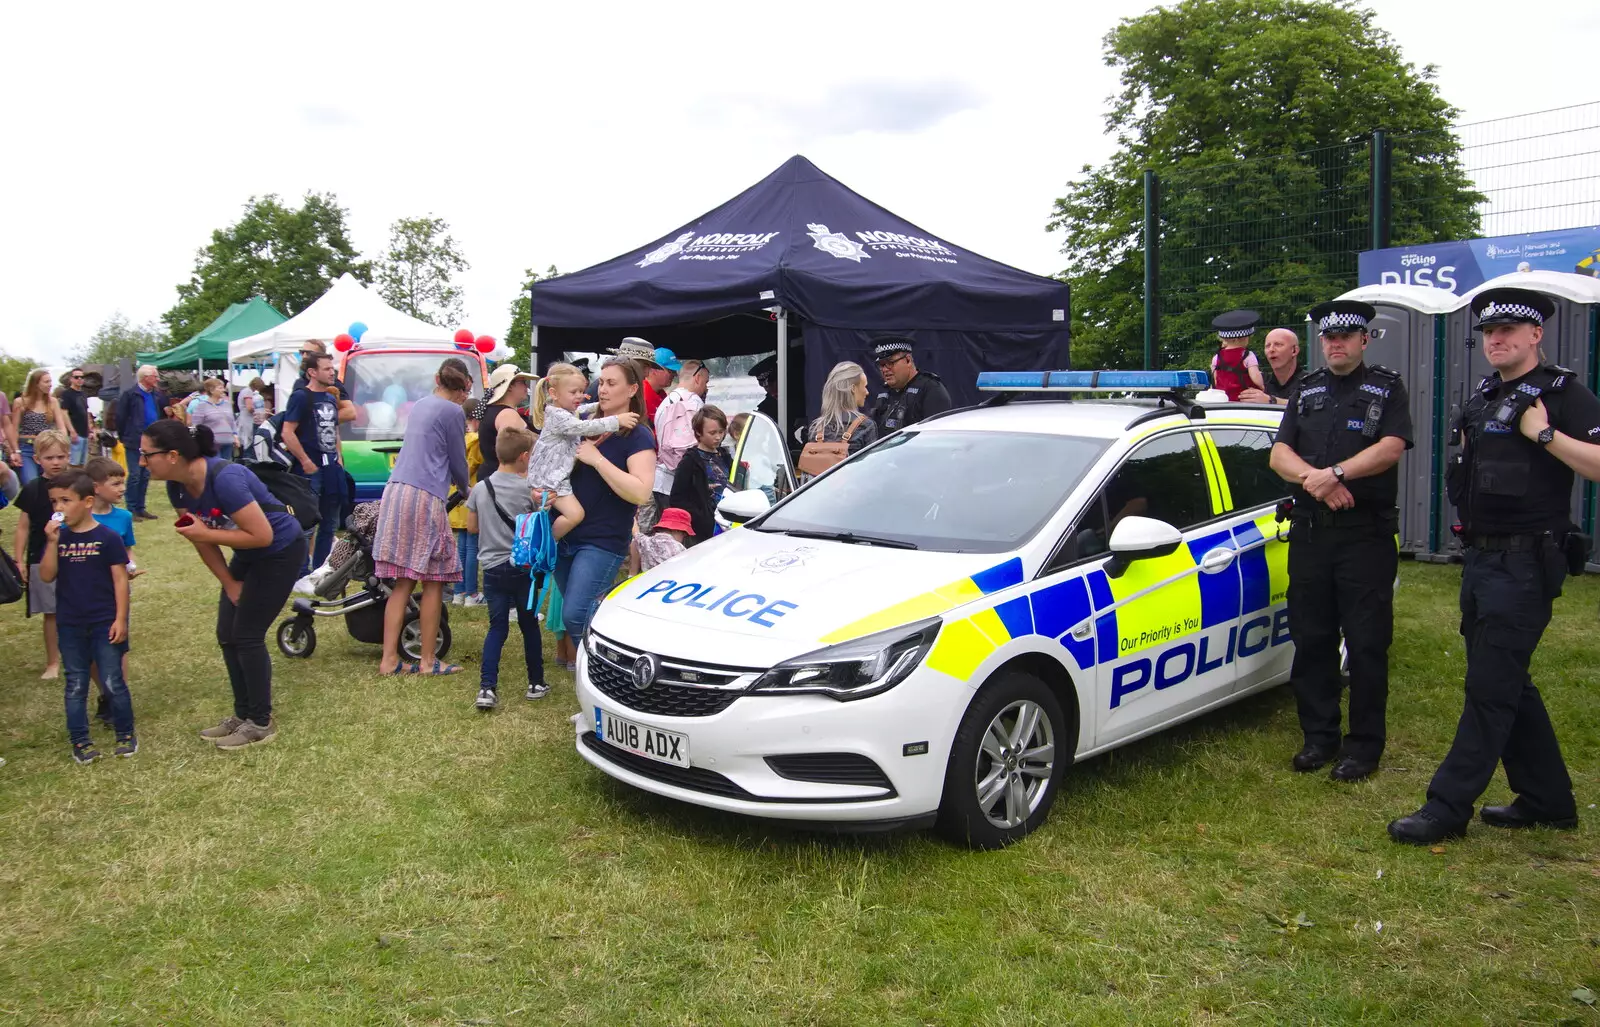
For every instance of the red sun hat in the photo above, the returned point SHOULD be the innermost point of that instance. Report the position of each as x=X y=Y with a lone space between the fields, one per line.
x=675 y=518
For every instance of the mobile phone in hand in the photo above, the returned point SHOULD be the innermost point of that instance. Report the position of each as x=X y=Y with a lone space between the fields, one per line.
x=185 y=520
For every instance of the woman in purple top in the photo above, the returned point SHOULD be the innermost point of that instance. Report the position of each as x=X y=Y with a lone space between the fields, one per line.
x=212 y=409
x=413 y=541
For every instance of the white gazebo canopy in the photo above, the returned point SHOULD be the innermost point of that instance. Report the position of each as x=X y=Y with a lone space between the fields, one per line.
x=346 y=302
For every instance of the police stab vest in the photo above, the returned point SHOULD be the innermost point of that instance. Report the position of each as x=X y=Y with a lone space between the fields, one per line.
x=1316 y=395
x=1494 y=457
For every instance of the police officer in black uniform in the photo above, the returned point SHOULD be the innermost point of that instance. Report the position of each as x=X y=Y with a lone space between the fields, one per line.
x=1338 y=446
x=1522 y=435
x=908 y=395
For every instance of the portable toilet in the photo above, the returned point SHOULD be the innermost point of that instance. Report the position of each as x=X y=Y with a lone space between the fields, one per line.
x=1408 y=336
x=1569 y=340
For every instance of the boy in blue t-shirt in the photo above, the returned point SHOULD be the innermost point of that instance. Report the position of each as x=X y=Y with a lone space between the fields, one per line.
x=110 y=482
x=88 y=564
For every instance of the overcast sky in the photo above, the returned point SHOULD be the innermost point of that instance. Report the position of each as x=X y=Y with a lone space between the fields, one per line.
x=570 y=133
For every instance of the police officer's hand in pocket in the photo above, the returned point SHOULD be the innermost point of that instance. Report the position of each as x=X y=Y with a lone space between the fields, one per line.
x=1534 y=420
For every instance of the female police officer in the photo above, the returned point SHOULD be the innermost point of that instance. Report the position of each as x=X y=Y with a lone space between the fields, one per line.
x=1338 y=445
x=1523 y=434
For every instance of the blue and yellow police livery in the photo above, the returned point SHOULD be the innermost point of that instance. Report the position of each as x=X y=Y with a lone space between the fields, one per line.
x=933 y=631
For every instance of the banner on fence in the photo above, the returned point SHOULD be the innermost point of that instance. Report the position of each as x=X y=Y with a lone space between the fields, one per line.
x=1461 y=266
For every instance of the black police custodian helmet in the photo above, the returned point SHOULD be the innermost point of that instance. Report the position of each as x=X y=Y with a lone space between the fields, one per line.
x=1339 y=316
x=1236 y=324
x=1511 y=306
x=767 y=368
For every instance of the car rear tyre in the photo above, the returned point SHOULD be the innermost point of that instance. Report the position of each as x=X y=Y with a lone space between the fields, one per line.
x=1006 y=763
x=297 y=639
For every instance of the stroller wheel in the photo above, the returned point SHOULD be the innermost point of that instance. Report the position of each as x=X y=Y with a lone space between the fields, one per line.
x=297 y=638
x=411 y=638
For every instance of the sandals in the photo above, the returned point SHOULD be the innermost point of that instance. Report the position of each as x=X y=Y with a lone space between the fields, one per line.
x=440 y=669
x=401 y=669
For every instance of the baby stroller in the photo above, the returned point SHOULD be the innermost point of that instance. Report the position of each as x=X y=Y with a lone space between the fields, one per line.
x=351 y=560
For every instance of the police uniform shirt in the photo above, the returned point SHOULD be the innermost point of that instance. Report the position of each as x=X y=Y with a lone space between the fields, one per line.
x=1287 y=389
x=1326 y=425
x=923 y=396
x=1518 y=486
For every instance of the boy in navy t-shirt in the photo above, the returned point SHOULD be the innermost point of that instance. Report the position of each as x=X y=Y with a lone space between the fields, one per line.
x=110 y=483
x=89 y=565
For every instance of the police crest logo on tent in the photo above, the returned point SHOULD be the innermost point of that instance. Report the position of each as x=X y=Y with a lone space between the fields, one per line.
x=666 y=250
x=837 y=244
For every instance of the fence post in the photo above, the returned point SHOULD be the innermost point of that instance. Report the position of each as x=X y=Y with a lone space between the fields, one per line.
x=1152 y=267
x=1380 y=189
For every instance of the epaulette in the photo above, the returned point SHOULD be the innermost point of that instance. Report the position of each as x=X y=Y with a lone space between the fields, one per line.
x=1559 y=377
x=1314 y=376
x=1384 y=372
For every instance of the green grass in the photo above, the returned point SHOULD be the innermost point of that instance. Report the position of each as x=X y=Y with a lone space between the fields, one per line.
x=397 y=857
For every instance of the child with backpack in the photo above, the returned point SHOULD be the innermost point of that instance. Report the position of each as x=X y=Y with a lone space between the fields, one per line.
x=557 y=404
x=493 y=507
x=1235 y=368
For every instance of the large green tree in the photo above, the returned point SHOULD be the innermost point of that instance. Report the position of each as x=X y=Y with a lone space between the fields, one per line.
x=14 y=372
x=1256 y=116
x=287 y=255
x=519 y=337
x=418 y=273
x=116 y=338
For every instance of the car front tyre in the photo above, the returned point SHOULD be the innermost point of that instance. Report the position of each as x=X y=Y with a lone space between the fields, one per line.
x=1006 y=763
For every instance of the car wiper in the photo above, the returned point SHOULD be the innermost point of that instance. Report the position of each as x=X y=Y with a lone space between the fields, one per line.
x=848 y=536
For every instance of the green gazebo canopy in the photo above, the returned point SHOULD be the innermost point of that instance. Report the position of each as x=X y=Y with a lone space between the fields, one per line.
x=209 y=349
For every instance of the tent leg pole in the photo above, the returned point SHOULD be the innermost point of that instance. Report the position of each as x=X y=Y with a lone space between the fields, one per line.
x=783 y=374
x=533 y=352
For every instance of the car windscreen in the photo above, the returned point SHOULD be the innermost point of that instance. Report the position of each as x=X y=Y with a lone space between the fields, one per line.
x=948 y=491
x=385 y=386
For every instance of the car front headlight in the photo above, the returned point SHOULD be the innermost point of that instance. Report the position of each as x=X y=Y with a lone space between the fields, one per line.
x=855 y=669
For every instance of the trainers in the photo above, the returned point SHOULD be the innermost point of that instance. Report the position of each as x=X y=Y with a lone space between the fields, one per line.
x=487 y=700
x=537 y=692
x=127 y=745
x=84 y=752
x=475 y=599
x=225 y=727
x=248 y=733
x=459 y=599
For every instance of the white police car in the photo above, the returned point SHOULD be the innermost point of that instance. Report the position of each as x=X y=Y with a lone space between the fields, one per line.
x=935 y=629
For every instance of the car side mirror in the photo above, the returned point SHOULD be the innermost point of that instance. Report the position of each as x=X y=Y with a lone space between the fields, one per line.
x=739 y=507
x=1140 y=538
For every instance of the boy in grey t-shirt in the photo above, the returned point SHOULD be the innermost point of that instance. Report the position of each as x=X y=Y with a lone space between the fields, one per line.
x=492 y=510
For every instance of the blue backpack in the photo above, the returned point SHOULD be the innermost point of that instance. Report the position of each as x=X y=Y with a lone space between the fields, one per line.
x=533 y=542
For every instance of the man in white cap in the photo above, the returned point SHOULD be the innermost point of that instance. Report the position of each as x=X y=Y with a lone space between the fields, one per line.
x=505 y=391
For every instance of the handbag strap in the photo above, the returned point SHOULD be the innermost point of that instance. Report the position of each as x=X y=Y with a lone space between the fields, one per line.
x=494 y=501
x=852 y=429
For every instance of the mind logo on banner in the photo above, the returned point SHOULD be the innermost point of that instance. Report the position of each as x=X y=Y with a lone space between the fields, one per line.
x=837 y=244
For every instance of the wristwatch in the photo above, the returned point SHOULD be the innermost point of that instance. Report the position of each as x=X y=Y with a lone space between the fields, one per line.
x=1338 y=472
x=1545 y=437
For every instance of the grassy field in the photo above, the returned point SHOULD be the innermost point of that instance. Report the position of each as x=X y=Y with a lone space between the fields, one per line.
x=398 y=857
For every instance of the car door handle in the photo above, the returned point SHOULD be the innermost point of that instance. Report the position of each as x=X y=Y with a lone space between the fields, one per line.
x=1217 y=560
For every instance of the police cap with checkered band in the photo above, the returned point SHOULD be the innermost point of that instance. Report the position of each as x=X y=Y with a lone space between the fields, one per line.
x=1511 y=306
x=1236 y=324
x=1337 y=317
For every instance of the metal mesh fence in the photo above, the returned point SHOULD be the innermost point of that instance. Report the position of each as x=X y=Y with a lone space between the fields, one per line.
x=1280 y=234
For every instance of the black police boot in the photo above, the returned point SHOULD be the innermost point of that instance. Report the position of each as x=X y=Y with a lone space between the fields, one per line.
x=1351 y=769
x=1423 y=828
x=1515 y=816
x=1313 y=757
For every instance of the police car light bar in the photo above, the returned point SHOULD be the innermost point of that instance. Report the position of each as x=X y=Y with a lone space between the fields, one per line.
x=1092 y=381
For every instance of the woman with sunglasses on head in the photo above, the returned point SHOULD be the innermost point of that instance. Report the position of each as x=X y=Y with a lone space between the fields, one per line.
x=225 y=504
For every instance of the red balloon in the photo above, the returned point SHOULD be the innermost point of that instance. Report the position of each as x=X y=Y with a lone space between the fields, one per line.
x=343 y=341
x=463 y=337
x=486 y=344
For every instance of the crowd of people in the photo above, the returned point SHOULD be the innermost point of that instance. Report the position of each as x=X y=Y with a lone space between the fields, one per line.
x=627 y=462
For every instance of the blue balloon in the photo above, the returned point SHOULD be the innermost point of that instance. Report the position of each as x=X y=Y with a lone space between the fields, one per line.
x=357 y=330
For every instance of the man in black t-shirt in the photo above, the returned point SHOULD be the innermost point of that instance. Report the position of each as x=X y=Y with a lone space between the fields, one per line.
x=76 y=404
x=1283 y=376
x=1523 y=435
x=1338 y=446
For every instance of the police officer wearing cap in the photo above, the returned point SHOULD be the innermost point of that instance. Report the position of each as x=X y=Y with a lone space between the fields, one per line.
x=1522 y=435
x=908 y=395
x=1338 y=446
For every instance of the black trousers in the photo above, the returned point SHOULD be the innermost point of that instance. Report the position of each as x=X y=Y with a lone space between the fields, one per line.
x=1505 y=607
x=1342 y=579
x=242 y=628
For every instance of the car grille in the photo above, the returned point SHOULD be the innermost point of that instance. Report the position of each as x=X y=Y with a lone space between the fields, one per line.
x=682 y=689
x=834 y=768
x=694 y=778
